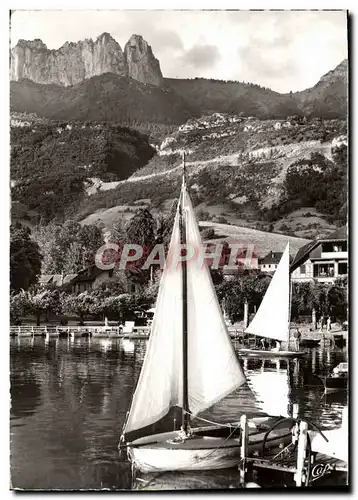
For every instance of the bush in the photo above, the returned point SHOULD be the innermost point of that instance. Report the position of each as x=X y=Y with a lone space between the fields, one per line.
x=208 y=233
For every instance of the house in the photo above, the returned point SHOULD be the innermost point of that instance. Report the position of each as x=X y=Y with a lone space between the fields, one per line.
x=58 y=280
x=245 y=259
x=86 y=279
x=89 y=278
x=269 y=263
x=325 y=259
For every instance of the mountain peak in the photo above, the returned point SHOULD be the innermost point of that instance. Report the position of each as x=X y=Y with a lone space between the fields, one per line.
x=142 y=65
x=339 y=72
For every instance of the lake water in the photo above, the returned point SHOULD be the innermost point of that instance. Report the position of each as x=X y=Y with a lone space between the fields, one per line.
x=69 y=400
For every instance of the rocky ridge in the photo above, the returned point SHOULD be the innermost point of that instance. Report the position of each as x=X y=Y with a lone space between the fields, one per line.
x=75 y=62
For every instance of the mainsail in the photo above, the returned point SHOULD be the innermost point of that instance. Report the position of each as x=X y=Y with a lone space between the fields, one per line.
x=212 y=366
x=272 y=320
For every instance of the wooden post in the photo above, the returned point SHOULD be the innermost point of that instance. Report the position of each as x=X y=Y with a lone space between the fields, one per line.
x=243 y=449
x=295 y=409
x=314 y=319
x=246 y=314
x=299 y=476
x=32 y=331
x=19 y=331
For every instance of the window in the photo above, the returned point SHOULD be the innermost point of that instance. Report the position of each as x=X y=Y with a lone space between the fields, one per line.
x=303 y=269
x=342 y=268
x=323 y=270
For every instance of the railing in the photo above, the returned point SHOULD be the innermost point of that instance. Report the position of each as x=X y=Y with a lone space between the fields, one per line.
x=32 y=331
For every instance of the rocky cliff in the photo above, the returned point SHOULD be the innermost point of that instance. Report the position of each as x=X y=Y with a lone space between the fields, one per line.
x=141 y=63
x=75 y=62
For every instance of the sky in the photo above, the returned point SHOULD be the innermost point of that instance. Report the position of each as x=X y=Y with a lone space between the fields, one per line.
x=283 y=50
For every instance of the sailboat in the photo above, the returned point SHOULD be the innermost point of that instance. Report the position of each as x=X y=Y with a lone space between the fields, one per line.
x=272 y=319
x=190 y=364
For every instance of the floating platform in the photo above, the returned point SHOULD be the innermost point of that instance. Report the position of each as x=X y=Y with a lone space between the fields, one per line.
x=261 y=353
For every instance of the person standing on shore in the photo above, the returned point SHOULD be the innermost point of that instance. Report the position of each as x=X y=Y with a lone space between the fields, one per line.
x=297 y=337
x=328 y=324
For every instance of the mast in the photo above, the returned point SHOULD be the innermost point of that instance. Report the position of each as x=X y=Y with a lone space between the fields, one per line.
x=182 y=225
x=290 y=298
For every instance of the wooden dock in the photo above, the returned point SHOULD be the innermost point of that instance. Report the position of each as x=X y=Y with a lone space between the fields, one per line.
x=138 y=332
x=296 y=461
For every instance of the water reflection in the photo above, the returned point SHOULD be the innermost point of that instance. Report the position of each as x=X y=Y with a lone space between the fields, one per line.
x=270 y=384
x=70 y=399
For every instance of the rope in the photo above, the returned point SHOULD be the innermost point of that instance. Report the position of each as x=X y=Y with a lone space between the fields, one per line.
x=208 y=421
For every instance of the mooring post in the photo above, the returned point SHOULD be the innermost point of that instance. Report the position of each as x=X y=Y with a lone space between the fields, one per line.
x=243 y=449
x=301 y=455
x=295 y=409
x=246 y=314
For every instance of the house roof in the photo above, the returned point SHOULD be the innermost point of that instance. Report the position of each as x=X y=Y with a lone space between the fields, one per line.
x=271 y=258
x=302 y=254
x=88 y=274
x=56 y=279
x=44 y=279
x=340 y=234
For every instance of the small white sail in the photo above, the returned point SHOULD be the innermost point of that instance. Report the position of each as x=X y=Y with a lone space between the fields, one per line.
x=272 y=319
x=213 y=368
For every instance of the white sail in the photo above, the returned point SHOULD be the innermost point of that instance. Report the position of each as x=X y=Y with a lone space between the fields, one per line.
x=213 y=368
x=272 y=319
x=158 y=387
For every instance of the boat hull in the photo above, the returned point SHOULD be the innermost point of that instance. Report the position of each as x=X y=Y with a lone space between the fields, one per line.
x=149 y=460
x=201 y=453
x=260 y=353
x=310 y=342
x=333 y=384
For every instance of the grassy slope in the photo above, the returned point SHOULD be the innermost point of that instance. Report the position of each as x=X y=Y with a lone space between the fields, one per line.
x=220 y=170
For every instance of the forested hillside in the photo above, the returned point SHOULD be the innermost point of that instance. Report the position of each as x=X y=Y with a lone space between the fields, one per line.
x=51 y=164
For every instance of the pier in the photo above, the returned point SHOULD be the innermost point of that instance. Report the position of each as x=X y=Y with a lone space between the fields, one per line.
x=297 y=461
x=138 y=332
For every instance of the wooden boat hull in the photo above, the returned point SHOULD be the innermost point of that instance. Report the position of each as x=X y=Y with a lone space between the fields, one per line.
x=339 y=341
x=202 y=452
x=309 y=342
x=333 y=384
x=112 y=335
x=261 y=353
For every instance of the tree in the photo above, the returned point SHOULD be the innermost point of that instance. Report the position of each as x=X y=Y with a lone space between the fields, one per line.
x=43 y=302
x=81 y=304
x=25 y=259
x=141 y=228
x=118 y=232
x=165 y=225
x=69 y=247
x=240 y=289
x=208 y=233
x=19 y=306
